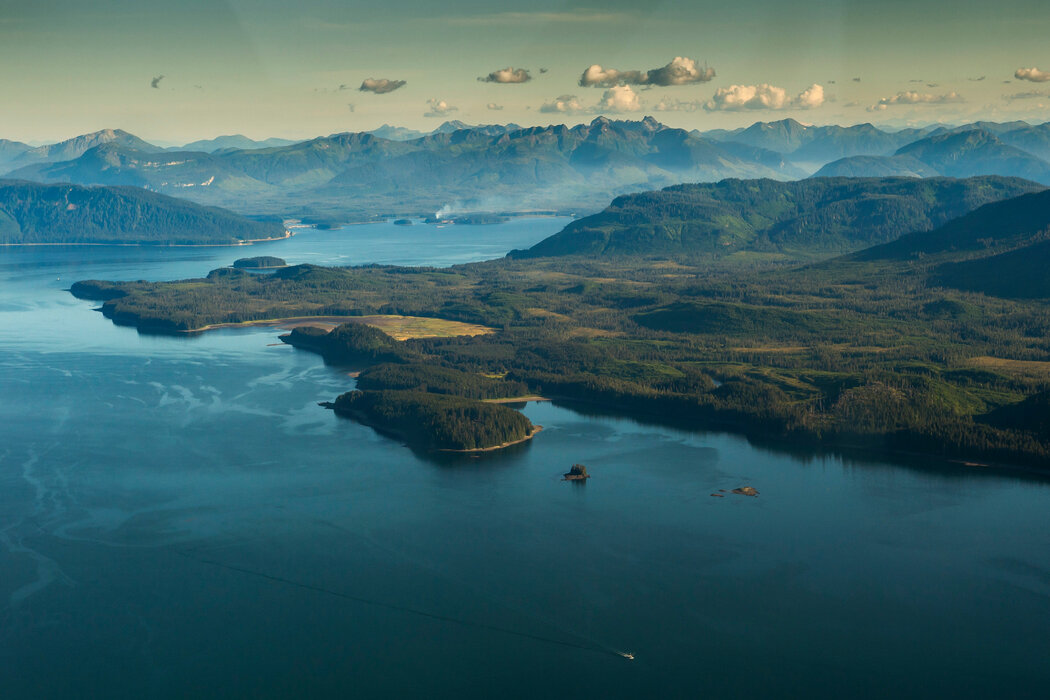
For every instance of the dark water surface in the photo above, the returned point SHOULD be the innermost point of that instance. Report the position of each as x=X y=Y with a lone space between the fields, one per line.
x=178 y=518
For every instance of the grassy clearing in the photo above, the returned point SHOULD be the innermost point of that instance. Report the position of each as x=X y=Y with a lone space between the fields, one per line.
x=397 y=327
x=1027 y=369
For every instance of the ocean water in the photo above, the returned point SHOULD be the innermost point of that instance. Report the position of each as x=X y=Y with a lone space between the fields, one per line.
x=178 y=518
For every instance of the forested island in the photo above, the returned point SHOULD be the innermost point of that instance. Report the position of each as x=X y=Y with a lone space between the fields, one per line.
x=32 y=213
x=887 y=348
x=260 y=262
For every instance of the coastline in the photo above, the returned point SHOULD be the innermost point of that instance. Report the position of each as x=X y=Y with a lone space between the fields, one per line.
x=247 y=241
x=517 y=399
x=328 y=322
x=536 y=429
x=404 y=438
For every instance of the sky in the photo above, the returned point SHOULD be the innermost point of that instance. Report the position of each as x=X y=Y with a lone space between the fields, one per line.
x=172 y=72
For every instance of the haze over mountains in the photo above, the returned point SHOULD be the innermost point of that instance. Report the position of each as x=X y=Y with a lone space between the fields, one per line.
x=457 y=167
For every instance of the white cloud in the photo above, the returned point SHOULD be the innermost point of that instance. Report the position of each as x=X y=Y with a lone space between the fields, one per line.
x=740 y=98
x=1033 y=75
x=811 y=97
x=439 y=108
x=680 y=71
x=507 y=75
x=620 y=98
x=916 y=98
x=380 y=86
x=567 y=104
x=493 y=106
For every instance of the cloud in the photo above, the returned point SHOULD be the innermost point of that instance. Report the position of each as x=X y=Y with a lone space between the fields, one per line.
x=565 y=104
x=155 y=83
x=916 y=98
x=739 y=98
x=680 y=71
x=810 y=98
x=668 y=105
x=619 y=98
x=494 y=107
x=380 y=86
x=507 y=76
x=1035 y=95
x=1032 y=74
x=439 y=108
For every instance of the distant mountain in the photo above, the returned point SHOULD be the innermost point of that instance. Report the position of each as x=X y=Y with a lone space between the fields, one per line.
x=810 y=147
x=396 y=133
x=234 y=141
x=958 y=153
x=496 y=168
x=78 y=146
x=976 y=151
x=1001 y=249
x=877 y=166
x=10 y=151
x=400 y=133
x=482 y=168
x=35 y=213
x=805 y=218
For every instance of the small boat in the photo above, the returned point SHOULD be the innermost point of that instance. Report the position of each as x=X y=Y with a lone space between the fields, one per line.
x=627 y=655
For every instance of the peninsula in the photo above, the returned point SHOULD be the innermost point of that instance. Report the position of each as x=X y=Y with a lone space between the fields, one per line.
x=890 y=347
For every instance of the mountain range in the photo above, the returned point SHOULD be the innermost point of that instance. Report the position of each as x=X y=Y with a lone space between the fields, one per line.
x=497 y=168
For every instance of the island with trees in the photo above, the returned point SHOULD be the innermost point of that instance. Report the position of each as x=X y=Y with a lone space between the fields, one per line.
x=259 y=262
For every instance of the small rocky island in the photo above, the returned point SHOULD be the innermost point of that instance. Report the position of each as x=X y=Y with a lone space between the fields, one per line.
x=261 y=262
x=578 y=472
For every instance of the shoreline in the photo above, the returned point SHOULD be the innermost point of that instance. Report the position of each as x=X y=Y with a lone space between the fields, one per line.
x=840 y=448
x=363 y=419
x=284 y=322
x=536 y=429
x=517 y=399
x=247 y=241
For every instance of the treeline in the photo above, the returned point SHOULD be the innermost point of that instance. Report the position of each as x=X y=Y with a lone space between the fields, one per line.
x=259 y=261
x=435 y=421
x=347 y=343
x=438 y=380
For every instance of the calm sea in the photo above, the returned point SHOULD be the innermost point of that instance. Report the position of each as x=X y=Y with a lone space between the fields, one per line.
x=178 y=518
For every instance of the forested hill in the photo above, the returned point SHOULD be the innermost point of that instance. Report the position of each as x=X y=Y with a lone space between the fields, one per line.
x=1001 y=249
x=63 y=213
x=806 y=218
